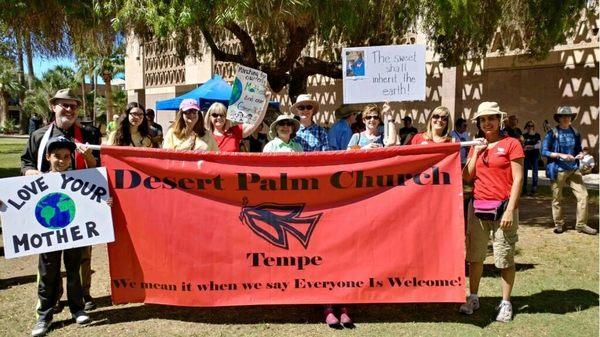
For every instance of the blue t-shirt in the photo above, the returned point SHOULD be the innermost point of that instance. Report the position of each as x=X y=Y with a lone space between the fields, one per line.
x=361 y=139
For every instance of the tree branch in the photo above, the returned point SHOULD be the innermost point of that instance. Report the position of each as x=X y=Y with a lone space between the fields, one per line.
x=218 y=53
x=298 y=39
x=248 y=49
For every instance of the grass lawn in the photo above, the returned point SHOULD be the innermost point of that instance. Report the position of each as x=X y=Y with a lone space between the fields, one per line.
x=10 y=156
x=556 y=294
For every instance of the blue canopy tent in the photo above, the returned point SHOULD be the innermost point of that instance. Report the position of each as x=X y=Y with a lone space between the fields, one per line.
x=213 y=90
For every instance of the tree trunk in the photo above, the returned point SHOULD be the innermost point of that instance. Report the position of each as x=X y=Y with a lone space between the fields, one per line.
x=3 y=108
x=83 y=100
x=29 y=52
x=95 y=82
x=21 y=78
x=107 y=95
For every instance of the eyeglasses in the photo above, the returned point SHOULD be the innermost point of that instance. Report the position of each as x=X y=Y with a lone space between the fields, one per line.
x=191 y=111
x=69 y=106
x=304 y=107
x=443 y=118
x=528 y=126
x=136 y=114
x=285 y=123
x=368 y=118
x=214 y=115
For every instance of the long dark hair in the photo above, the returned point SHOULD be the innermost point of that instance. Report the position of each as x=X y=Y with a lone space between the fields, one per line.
x=123 y=134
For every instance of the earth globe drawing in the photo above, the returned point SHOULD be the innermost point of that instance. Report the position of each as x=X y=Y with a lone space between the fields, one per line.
x=55 y=211
x=236 y=91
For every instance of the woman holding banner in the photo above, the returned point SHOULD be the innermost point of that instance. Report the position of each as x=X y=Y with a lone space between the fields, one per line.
x=133 y=129
x=496 y=167
x=282 y=132
x=188 y=133
x=372 y=138
x=227 y=136
x=439 y=128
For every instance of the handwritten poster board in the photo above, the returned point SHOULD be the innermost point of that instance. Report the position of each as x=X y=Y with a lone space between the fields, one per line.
x=384 y=73
x=248 y=95
x=55 y=211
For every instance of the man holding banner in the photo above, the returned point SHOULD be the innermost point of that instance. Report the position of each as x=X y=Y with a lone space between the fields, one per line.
x=65 y=105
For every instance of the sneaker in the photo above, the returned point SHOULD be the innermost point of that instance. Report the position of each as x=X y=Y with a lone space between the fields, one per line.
x=585 y=229
x=505 y=312
x=40 y=328
x=331 y=320
x=81 y=317
x=471 y=305
x=559 y=229
x=345 y=319
x=89 y=303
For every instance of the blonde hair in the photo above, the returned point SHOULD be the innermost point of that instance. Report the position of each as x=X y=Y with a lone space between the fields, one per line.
x=216 y=108
x=446 y=134
x=371 y=110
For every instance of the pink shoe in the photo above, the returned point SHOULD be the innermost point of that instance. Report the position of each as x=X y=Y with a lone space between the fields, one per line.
x=330 y=319
x=345 y=319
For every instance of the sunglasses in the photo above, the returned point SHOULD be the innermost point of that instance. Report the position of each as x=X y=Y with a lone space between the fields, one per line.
x=285 y=123
x=436 y=116
x=191 y=111
x=214 y=115
x=528 y=126
x=136 y=114
x=368 y=118
x=69 y=106
x=304 y=107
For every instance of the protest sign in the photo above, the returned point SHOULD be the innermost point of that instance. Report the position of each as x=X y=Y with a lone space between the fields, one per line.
x=384 y=73
x=55 y=211
x=247 y=96
x=383 y=225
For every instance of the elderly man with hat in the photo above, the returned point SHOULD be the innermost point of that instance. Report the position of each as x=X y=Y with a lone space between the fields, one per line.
x=311 y=136
x=341 y=132
x=562 y=147
x=65 y=105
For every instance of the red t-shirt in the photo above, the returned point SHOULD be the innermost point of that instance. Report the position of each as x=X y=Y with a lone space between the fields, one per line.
x=420 y=139
x=493 y=174
x=230 y=140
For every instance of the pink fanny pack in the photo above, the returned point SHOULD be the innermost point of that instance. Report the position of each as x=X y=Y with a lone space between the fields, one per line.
x=490 y=210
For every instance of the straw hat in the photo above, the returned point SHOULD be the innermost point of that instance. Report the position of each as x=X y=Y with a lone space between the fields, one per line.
x=564 y=111
x=66 y=94
x=488 y=108
x=284 y=117
x=303 y=100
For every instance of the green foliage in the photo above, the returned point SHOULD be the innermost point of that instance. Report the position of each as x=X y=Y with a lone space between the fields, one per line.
x=9 y=83
x=36 y=100
x=9 y=126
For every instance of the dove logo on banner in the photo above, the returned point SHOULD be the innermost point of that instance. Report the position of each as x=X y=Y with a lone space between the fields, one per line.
x=273 y=222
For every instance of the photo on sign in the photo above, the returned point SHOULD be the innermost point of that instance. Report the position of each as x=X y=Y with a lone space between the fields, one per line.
x=355 y=63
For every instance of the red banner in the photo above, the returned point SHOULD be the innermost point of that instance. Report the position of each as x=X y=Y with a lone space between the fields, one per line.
x=207 y=229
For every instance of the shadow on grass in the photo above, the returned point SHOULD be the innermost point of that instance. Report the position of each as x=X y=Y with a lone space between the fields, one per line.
x=10 y=172
x=547 y=301
x=490 y=270
x=19 y=280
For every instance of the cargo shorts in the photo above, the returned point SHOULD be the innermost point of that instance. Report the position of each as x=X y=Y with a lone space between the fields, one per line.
x=503 y=241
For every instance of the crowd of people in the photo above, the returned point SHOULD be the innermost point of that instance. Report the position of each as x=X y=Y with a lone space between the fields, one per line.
x=496 y=168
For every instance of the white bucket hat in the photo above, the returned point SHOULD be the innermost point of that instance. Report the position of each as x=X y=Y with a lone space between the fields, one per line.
x=488 y=108
x=284 y=117
x=303 y=100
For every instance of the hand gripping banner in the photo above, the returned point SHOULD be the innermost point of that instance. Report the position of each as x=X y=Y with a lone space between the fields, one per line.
x=207 y=229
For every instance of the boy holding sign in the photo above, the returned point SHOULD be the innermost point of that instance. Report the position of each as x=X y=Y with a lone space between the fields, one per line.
x=58 y=153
